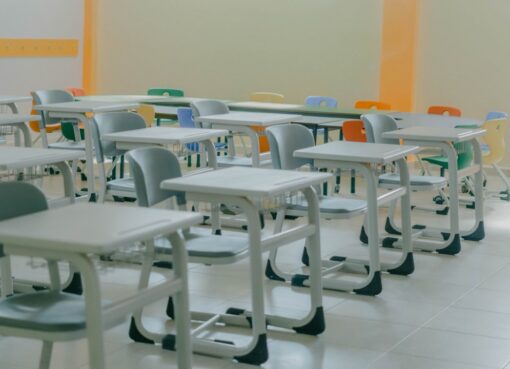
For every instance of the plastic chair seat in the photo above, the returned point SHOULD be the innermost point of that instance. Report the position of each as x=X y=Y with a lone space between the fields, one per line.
x=68 y=145
x=122 y=184
x=332 y=205
x=206 y=245
x=43 y=311
x=393 y=180
x=463 y=161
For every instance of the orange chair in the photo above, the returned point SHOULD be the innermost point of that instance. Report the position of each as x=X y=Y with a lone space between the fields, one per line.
x=444 y=110
x=354 y=131
x=76 y=91
x=369 y=104
x=269 y=97
x=34 y=126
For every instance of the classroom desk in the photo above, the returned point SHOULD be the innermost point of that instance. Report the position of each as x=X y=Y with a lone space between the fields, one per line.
x=363 y=157
x=19 y=158
x=12 y=101
x=240 y=122
x=83 y=111
x=243 y=187
x=94 y=229
x=406 y=120
x=18 y=121
x=319 y=111
x=444 y=138
x=315 y=123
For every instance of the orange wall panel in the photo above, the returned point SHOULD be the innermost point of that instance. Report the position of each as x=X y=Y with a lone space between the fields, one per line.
x=399 y=35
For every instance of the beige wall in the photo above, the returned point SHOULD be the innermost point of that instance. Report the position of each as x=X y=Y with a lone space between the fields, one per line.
x=464 y=57
x=229 y=48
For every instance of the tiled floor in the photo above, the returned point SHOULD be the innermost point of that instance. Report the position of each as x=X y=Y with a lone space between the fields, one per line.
x=452 y=313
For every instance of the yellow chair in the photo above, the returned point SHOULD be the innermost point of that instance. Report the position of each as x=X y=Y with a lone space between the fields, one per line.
x=148 y=113
x=493 y=149
x=269 y=97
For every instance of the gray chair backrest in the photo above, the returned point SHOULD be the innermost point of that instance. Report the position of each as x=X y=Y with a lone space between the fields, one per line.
x=376 y=125
x=149 y=167
x=207 y=107
x=113 y=122
x=51 y=97
x=284 y=140
x=20 y=198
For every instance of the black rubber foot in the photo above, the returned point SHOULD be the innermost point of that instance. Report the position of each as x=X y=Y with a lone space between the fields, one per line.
x=388 y=242
x=169 y=342
x=453 y=248
x=237 y=311
x=439 y=200
x=118 y=199
x=471 y=206
x=217 y=232
x=389 y=228
x=338 y=259
x=75 y=287
x=419 y=226
x=92 y=197
x=170 y=312
x=135 y=334
x=305 y=259
x=444 y=211
x=270 y=273
x=406 y=268
x=83 y=177
x=298 y=280
x=315 y=326
x=258 y=355
x=477 y=235
x=163 y=264
x=373 y=288
x=273 y=215
x=363 y=237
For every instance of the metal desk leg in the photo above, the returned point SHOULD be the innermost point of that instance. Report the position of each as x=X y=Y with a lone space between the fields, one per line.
x=477 y=233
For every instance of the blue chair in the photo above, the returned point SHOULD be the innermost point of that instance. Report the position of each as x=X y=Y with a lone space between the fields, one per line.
x=185 y=118
x=496 y=115
x=326 y=101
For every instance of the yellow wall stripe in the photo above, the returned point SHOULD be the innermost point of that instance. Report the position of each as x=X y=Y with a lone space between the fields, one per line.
x=34 y=47
x=400 y=28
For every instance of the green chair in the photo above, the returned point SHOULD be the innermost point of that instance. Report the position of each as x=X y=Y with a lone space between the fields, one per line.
x=165 y=92
x=465 y=155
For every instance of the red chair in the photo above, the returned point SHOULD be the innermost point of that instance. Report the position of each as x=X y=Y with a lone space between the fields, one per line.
x=444 y=110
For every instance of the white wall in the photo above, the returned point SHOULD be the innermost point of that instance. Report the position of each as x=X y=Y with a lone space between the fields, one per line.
x=40 y=19
x=229 y=48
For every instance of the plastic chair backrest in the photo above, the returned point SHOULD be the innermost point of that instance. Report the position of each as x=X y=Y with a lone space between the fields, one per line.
x=496 y=115
x=376 y=125
x=76 y=91
x=148 y=113
x=354 y=131
x=270 y=97
x=165 y=92
x=50 y=97
x=326 y=101
x=444 y=110
x=149 y=167
x=110 y=123
x=208 y=107
x=20 y=198
x=284 y=140
x=370 y=104
x=495 y=140
x=185 y=118
x=465 y=154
